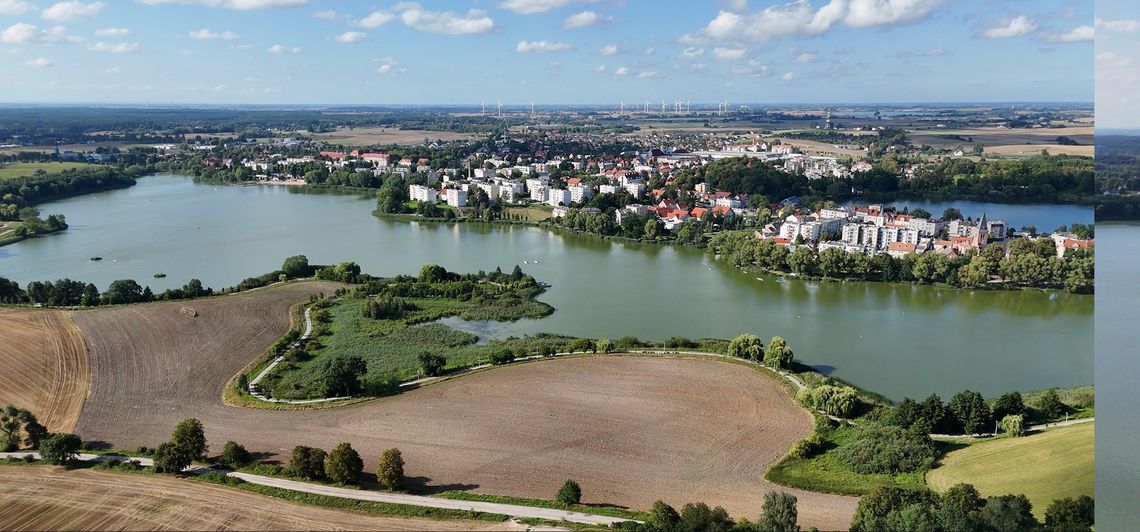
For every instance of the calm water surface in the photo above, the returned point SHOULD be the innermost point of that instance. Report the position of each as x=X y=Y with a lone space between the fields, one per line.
x=1042 y=216
x=894 y=339
x=1117 y=369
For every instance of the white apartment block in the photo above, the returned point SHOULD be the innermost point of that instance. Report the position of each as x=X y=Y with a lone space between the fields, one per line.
x=422 y=193
x=635 y=189
x=558 y=196
x=609 y=189
x=539 y=193
x=580 y=193
x=456 y=197
x=538 y=182
x=491 y=189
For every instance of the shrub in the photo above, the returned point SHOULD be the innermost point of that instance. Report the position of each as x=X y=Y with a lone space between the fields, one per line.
x=1014 y=425
x=580 y=345
x=343 y=465
x=888 y=450
x=235 y=455
x=307 y=463
x=1070 y=512
x=390 y=471
x=779 y=512
x=505 y=356
x=432 y=365
x=605 y=346
x=808 y=447
x=569 y=493
x=678 y=342
x=60 y=449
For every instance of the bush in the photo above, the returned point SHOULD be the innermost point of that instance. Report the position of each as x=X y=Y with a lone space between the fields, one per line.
x=307 y=462
x=60 y=449
x=235 y=456
x=808 y=447
x=888 y=450
x=680 y=342
x=580 y=345
x=390 y=471
x=432 y=365
x=505 y=356
x=1013 y=425
x=1070 y=512
x=779 y=512
x=343 y=465
x=569 y=493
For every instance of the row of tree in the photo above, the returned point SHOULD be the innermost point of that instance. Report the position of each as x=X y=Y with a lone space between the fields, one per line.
x=968 y=412
x=962 y=508
x=69 y=293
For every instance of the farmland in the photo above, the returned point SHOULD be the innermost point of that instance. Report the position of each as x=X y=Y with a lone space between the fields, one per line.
x=519 y=430
x=1046 y=465
x=371 y=136
x=45 y=498
x=12 y=170
x=43 y=366
x=1005 y=141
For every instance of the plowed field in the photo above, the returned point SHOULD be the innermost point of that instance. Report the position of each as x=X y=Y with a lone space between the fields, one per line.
x=43 y=366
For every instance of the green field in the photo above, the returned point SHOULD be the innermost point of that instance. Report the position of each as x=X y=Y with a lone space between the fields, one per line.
x=391 y=347
x=1045 y=466
x=826 y=473
x=530 y=213
x=13 y=170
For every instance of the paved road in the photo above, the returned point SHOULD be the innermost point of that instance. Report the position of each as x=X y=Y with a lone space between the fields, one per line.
x=378 y=496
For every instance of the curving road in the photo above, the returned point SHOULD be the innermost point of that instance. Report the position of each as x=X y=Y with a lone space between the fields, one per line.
x=511 y=510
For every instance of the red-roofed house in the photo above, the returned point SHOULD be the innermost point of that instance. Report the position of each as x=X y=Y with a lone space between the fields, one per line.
x=333 y=154
x=899 y=250
x=698 y=212
x=722 y=210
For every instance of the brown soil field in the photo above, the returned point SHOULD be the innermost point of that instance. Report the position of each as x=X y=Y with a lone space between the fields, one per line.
x=43 y=366
x=1001 y=136
x=369 y=136
x=629 y=429
x=1024 y=150
x=48 y=498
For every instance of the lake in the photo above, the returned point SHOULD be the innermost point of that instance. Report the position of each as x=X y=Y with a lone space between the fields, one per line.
x=897 y=340
x=1117 y=367
x=1045 y=217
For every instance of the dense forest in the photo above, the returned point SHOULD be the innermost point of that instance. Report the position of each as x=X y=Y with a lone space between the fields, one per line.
x=1118 y=177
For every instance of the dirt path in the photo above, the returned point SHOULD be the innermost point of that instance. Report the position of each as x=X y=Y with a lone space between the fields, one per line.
x=47 y=498
x=43 y=366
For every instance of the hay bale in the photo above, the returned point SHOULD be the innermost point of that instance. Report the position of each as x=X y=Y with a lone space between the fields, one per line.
x=187 y=311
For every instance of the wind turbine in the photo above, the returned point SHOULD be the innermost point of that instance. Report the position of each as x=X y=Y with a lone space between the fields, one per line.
x=532 y=108
x=500 y=108
x=686 y=106
x=484 y=108
x=646 y=106
x=662 y=106
x=621 y=108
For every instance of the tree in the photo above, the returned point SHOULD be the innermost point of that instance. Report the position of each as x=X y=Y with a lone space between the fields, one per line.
x=60 y=449
x=700 y=517
x=604 y=345
x=1009 y=513
x=433 y=273
x=887 y=450
x=919 y=212
x=235 y=455
x=122 y=292
x=778 y=354
x=569 y=493
x=343 y=465
x=168 y=458
x=779 y=513
x=951 y=213
x=1014 y=425
x=746 y=346
x=432 y=365
x=832 y=262
x=971 y=412
x=652 y=229
x=296 y=266
x=802 y=261
x=390 y=471
x=1050 y=405
x=190 y=438
x=1078 y=512
x=663 y=517
x=307 y=462
x=874 y=509
x=341 y=375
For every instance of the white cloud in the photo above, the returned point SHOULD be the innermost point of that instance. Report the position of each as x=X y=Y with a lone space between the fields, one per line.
x=376 y=19
x=18 y=33
x=1016 y=27
x=530 y=7
x=22 y=32
x=14 y=7
x=243 y=5
x=1077 y=34
x=39 y=62
x=325 y=15
x=114 y=48
x=692 y=51
x=622 y=71
x=205 y=34
x=584 y=19
x=788 y=76
x=351 y=37
x=112 y=32
x=646 y=75
x=278 y=49
x=474 y=21
x=807 y=57
x=727 y=54
x=66 y=11
x=609 y=49
x=389 y=66
x=801 y=18
x=541 y=47
x=751 y=68
x=1117 y=25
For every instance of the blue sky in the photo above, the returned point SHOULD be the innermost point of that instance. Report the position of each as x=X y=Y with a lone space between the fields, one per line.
x=1117 y=64
x=548 y=51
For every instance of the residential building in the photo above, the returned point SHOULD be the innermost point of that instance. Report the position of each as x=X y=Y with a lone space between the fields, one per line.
x=422 y=193
x=456 y=197
x=558 y=196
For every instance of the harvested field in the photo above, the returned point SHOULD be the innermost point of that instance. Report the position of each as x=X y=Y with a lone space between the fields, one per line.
x=370 y=136
x=992 y=136
x=629 y=429
x=43 y=366
x=46 y=498
x=1024 y=150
